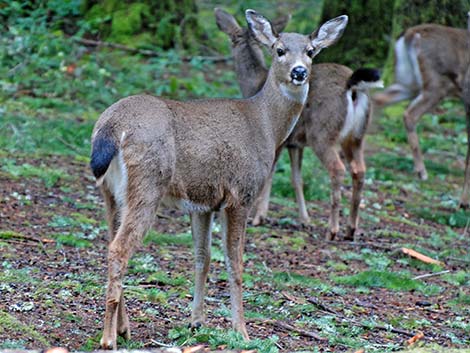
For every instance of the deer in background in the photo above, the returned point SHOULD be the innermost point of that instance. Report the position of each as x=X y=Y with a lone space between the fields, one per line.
x=431 y=62
x=337 y=112
x=201 y=156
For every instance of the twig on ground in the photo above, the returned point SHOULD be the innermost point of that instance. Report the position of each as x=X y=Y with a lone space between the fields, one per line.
x=146 y=52
x=161 y=344
x=362 y=244
x=69 y=145
x=289 y=327
x=357 y=323
x=431 y=274
x=421 y=257
x=161 y=215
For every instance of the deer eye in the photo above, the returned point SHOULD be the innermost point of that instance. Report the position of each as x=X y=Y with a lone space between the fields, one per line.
x=280 y=51
x=310 y=52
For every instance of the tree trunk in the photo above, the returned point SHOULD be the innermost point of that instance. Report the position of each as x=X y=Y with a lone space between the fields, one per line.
x=365 y=40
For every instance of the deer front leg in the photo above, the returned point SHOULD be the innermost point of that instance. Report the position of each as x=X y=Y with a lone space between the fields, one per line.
x=234 y=227
x=201 y=224
x=295 y=155
x=423 y=103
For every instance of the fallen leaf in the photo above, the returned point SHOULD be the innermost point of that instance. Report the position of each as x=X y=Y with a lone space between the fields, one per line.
x=415 y=338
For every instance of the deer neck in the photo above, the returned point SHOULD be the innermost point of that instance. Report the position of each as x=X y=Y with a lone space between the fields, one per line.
x=280 y=106
x=250 y=68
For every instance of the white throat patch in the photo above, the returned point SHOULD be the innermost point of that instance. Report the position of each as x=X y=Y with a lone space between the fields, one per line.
x=295 y=93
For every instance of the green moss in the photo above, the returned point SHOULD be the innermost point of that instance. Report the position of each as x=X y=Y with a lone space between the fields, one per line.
x=382 y=279
x=11 y=326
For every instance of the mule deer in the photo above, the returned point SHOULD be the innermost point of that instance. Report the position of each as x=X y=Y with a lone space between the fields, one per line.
x=201 y=156
x=430 y=64
x=337 y=111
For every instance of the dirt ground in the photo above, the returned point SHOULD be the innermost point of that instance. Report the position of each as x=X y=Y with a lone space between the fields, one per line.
x=55 y=292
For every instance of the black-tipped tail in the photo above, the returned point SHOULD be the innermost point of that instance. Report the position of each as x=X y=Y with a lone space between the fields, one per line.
x=103 y=151
x=365 y=77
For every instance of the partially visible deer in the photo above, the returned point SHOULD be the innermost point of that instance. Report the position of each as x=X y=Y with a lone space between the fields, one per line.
x=431 y=62
x=337 y=112
x=201 y=156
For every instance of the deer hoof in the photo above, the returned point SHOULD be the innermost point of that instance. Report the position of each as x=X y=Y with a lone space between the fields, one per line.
x=125 y=333
x=108 y=344
x=350 y=234
x=195 y=325
x=422 y=174
x=257 y=221
x=330 y=236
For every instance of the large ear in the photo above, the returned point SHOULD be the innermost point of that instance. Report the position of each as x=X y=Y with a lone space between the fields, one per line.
x=281 y=22
x=261 y=28
x=329 y=32
x=226 y=22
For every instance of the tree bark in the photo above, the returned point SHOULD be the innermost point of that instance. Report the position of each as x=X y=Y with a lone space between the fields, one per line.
x=365 y=41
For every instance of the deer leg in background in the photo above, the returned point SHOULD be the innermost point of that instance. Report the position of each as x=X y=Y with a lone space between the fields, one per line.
x=330 y=159
x=464 y=199
x=354 y=153
x=295 y=155
x=201 y=224
x=262 y=201
x=234 y=225
x=425 y=102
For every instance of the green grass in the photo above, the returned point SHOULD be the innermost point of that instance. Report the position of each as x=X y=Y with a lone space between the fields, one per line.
x=11 y=325
x=385 y=279
x=49 y=176
x=216 y=337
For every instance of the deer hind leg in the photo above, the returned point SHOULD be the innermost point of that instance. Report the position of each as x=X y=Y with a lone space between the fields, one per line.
x=465 y=197
x=137 y=216
x=234 y=227
x=201 y=224
x=354 y=153
x=295 y=155
x=335 y=167
x=112 y=218
x=425 y=102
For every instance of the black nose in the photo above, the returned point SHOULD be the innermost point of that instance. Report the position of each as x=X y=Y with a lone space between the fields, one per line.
x=299 y=73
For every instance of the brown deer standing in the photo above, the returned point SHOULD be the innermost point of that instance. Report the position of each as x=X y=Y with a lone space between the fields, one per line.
x=202 y=156
x=337 y=111
x=431 y=62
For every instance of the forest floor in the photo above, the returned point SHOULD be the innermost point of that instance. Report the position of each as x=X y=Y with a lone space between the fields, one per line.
x=301 y=293
x=297 y=285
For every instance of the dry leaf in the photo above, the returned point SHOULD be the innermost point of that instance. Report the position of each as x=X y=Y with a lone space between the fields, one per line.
x=415 y=338
x=194 y=349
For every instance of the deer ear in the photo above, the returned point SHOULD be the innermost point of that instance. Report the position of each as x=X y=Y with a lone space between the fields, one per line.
x=226 y=22
x=281 y=22
x=261 y=28
x=329 y=33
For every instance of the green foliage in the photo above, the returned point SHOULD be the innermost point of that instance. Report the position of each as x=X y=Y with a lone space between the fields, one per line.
x=49 y=176
x=217 y=337
x=364 y=42
x=384 y=279
x=168 y=239
x=11 y=325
